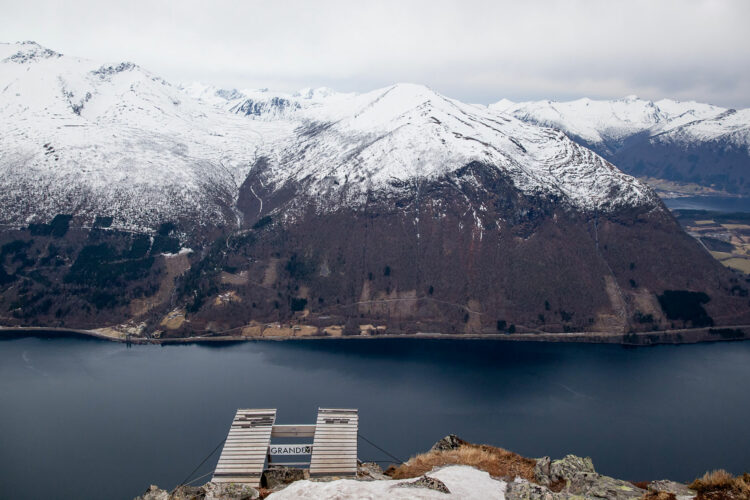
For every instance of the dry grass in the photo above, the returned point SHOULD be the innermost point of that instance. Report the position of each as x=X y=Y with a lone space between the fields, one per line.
x=496 y=461
x=738 y=263
x=264 y=492
x=721 y=485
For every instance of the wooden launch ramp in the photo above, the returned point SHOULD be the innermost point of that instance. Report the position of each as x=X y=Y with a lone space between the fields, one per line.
x=248 y=445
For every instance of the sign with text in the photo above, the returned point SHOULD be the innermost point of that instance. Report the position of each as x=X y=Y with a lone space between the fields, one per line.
x=290 y=449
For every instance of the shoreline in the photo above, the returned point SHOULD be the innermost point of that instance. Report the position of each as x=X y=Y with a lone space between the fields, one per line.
x=638 y=339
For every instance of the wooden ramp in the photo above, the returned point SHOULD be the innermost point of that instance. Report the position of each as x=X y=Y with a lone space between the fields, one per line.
x=334 y=450
x=244 y=454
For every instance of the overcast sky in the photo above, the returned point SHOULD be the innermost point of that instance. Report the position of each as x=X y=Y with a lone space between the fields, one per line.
x=476 y=51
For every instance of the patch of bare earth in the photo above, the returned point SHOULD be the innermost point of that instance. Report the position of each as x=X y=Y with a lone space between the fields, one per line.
x=174 y=320
x=496 y=461
x=175 y=265
x=271 y=274
x=234 y=279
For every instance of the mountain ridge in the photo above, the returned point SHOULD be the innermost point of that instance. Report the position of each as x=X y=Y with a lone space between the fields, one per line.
x=323 y=211
x=686 y=142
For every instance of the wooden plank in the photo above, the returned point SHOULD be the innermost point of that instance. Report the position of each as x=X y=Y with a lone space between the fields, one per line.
x=248 y=453
x=337 y=453
x=335 y=443
x=332 y=466
x=337 y=461
x=293 y=431
x=239 y=466
x=249 y=442
x=244 y=453
x=235 y=478
x=254 y=448
x=332 y=469
x=232 y=467
x=242 y=465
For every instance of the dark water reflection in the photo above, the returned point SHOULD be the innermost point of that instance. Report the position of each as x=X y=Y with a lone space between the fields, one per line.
x=92 y=419
x=711 y=203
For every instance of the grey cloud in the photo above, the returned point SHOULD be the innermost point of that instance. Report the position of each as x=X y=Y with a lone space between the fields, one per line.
x=478 y=51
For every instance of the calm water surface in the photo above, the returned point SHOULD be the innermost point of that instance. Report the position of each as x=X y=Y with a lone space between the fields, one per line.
x=92 y=419
x=712 y=203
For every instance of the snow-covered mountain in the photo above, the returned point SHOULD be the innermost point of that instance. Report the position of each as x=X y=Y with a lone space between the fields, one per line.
x=674 y=140
x=398 y=207
x=363 y=143
x=112 y=139
x=606 y=124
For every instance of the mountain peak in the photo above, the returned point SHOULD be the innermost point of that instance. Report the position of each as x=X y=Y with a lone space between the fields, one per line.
x=27 y=51
x=502 y=104
x=311 y=93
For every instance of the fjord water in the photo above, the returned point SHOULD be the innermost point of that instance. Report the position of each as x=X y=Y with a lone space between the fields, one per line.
x=711 y=203
x=84 y=418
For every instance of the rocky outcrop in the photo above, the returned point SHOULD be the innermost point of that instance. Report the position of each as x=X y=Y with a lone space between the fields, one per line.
x=571 y=477
x=370 y=471
x=427 y=482
x=679 y=490
x=449 y=442
x=209 y=491
x=278 y=477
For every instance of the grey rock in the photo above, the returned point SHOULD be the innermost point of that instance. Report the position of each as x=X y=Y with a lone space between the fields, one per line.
x=370 y=471
x=449 y=442
x=542 y=471
x=678 y=489
x=576 y=477
x=595 y=486
x=585 y=486
x=209 y=491
x=520 y=489
x=569 y=466
x=154 y=493
x=278 y=477
x=229 y=491
x=426 y=482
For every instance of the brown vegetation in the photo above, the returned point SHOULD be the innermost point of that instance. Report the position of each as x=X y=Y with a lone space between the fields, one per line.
x=496 y=461
x=721 y=485
x=264 y=492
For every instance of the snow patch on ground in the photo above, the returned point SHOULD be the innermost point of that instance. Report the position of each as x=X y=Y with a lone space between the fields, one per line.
x=464 y=482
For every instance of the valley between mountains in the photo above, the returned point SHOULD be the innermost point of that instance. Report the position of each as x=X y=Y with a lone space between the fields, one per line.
x=155 y=211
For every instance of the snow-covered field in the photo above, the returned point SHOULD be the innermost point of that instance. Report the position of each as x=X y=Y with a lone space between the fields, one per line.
x=462 y=481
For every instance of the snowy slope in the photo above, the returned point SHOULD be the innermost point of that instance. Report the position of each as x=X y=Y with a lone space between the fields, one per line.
x=112 y=139
x=86 y=138
x=263 y=104
x=362 y=143
x=684 y=142
x=730 y=126
x=606 y=124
